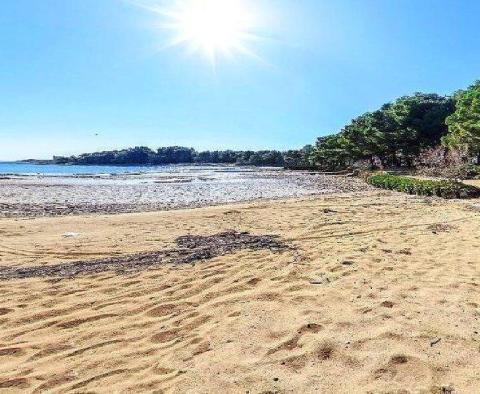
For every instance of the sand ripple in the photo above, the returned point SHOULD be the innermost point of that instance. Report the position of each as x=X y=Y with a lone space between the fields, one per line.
x=383 y=296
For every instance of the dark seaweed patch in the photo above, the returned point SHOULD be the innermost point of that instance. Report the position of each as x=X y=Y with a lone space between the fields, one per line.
x=191 y=248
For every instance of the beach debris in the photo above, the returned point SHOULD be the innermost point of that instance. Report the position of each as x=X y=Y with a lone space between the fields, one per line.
x=441 y=228
x=442 y=390
x=70 y=235
x=329 y=210
x=473 y=207
x=320 y=281
x=191 y=249
x=433 y=343
x=387 y=304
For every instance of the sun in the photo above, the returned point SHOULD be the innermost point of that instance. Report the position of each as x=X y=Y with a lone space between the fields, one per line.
x=212 y=28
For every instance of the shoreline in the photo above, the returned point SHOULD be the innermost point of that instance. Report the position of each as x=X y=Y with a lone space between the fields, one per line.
x=56 y=196
x=29 y=213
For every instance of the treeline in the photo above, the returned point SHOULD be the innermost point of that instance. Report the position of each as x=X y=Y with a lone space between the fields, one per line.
x=428 y=131
x=412 y=131
x=182 y=155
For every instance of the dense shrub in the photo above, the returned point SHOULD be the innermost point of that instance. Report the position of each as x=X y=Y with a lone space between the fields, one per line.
x=440 y=188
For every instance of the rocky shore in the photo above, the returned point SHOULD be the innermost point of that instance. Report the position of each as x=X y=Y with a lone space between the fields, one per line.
x=32 y=196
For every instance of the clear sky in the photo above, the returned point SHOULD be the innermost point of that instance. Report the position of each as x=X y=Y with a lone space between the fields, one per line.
x=71 y=69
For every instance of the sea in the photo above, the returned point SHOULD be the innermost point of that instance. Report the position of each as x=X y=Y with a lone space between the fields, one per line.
x=21 y=168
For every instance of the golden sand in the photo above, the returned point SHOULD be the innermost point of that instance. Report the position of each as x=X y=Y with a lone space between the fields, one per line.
x=382 y=295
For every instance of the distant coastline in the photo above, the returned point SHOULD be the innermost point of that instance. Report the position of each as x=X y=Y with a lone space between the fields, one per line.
x=144 y=156
x=31 y=161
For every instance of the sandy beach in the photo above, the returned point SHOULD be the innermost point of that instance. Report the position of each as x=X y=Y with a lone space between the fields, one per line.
x=374 y=292
x=239 y=197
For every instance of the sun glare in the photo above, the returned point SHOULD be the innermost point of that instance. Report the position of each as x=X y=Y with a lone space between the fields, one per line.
x=211 y=27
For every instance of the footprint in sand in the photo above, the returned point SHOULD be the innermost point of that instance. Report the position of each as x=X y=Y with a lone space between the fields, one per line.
x=403 y=368
x=293 y=342
x=325 y=351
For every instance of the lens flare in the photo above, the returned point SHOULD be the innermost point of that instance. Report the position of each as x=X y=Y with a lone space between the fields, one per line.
x=212 y=28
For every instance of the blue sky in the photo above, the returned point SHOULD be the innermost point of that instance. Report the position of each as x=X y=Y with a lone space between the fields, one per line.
x=73 y=69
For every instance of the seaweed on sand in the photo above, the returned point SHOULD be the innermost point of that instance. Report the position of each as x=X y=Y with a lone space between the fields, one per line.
x=191 y=248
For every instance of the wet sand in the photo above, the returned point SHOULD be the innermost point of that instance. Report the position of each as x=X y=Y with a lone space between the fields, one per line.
x=377 y=292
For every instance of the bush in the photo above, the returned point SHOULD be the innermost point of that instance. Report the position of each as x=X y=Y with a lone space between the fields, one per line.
x=442 y=188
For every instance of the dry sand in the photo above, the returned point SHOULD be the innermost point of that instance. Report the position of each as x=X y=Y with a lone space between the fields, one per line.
x=381 y=295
